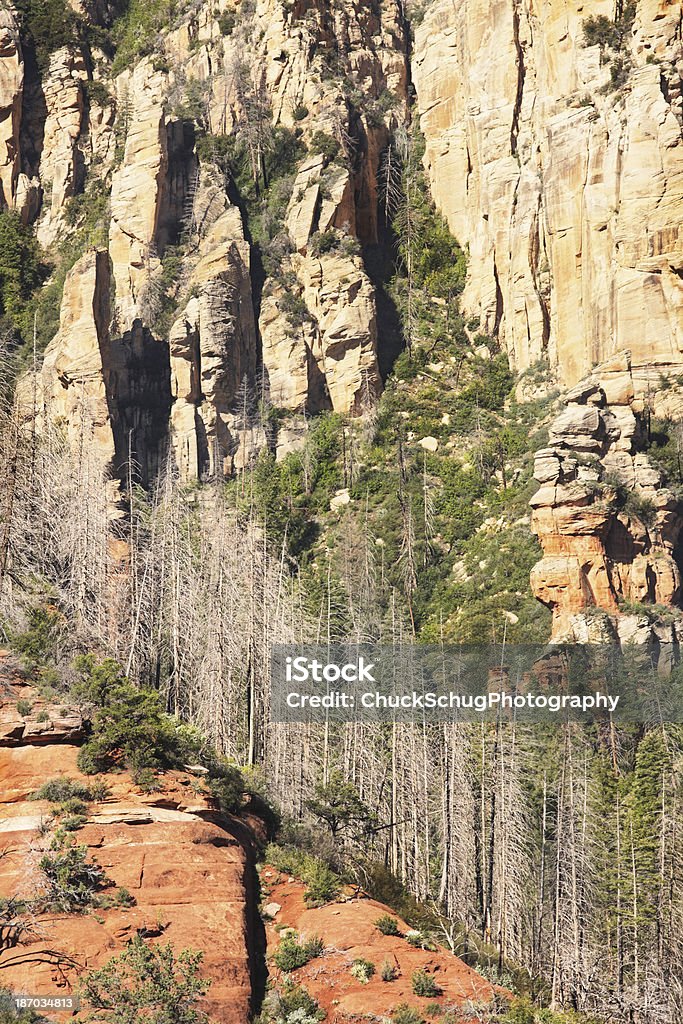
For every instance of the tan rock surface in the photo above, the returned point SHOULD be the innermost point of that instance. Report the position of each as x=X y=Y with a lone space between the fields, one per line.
x=72 y=388
x=569 y=199
x=62 y=162
x=137 y=191
x=11 y=84
x=599 y=550
x=338 y=293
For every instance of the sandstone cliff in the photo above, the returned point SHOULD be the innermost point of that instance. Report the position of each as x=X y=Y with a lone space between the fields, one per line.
x=560 y=164
x=177 y=244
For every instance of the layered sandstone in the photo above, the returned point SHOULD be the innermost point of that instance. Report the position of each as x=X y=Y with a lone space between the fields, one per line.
x=213 y=352
x=607 y=524
x=188 y=869
x=71 y=387
x=566 y=189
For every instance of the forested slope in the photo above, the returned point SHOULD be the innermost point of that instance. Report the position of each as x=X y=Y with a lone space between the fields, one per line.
x=254 y=390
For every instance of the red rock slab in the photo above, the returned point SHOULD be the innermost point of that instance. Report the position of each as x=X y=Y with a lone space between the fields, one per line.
x=189 y=875
x=348 y=931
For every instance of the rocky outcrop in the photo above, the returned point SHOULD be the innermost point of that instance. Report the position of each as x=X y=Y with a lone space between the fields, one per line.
x=182 y=274
x=71 y=387
x=139 y=186
x=42 y=723
x=11 y=85
x=348 y=931
x=188 y=869
x=62 y=167
x=112 y=396
x=341 y=299
x=213 y=352
x=607 y=524
x=560 y=165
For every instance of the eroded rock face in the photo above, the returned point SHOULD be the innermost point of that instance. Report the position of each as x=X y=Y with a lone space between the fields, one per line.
x=213 y=353
x=71 y=387
x=112 y=395
x=62 y=163
x=315 y=346
x=11 y=85
x=607 y=524
x=567 y=191
x=338 y=293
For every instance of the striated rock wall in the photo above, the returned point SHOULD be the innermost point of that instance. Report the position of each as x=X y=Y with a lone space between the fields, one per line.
x=11 y=87
x=607 y=524
x=190 y=326
x=566 y=188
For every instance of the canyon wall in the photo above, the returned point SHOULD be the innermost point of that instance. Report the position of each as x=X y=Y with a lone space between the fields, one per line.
x=560 y=165
x=203 y=323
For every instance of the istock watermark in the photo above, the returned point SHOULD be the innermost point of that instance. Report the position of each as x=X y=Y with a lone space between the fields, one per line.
x=476 y=682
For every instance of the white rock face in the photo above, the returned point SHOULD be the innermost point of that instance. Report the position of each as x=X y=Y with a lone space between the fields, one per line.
x=62 y=162
x=568 y=193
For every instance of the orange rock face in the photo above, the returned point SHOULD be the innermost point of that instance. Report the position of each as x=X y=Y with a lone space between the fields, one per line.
x=348 y=932
x=190 y=876
x=600 y=548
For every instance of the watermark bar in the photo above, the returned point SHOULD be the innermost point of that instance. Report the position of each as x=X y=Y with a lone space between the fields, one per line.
x=475 y=683
x=68 y=1003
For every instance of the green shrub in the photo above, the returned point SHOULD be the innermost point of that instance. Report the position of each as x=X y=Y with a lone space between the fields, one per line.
x=324 y=145
x=323 y=242
x=135 y=31
x=129 y=726
x=228 y=788
x=62 y=789
x=405 y=1014
x=147 y=983
x=388 y=971
x=146 y=780
x=48 y=25
x=73 y=806
x=97 y=92
x=387 y=925
x=424 y=985
x=292 y=1000
x=39 y=642
x=24 y=707
x=72 y=879
x=226 y=23
x=665 y=450
x=119 y=898
x=362 y=970
x=72 y=822
x=99 y=790
x=300 y=112
x=293 y=953
x=600 y=31
x=322 y=884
